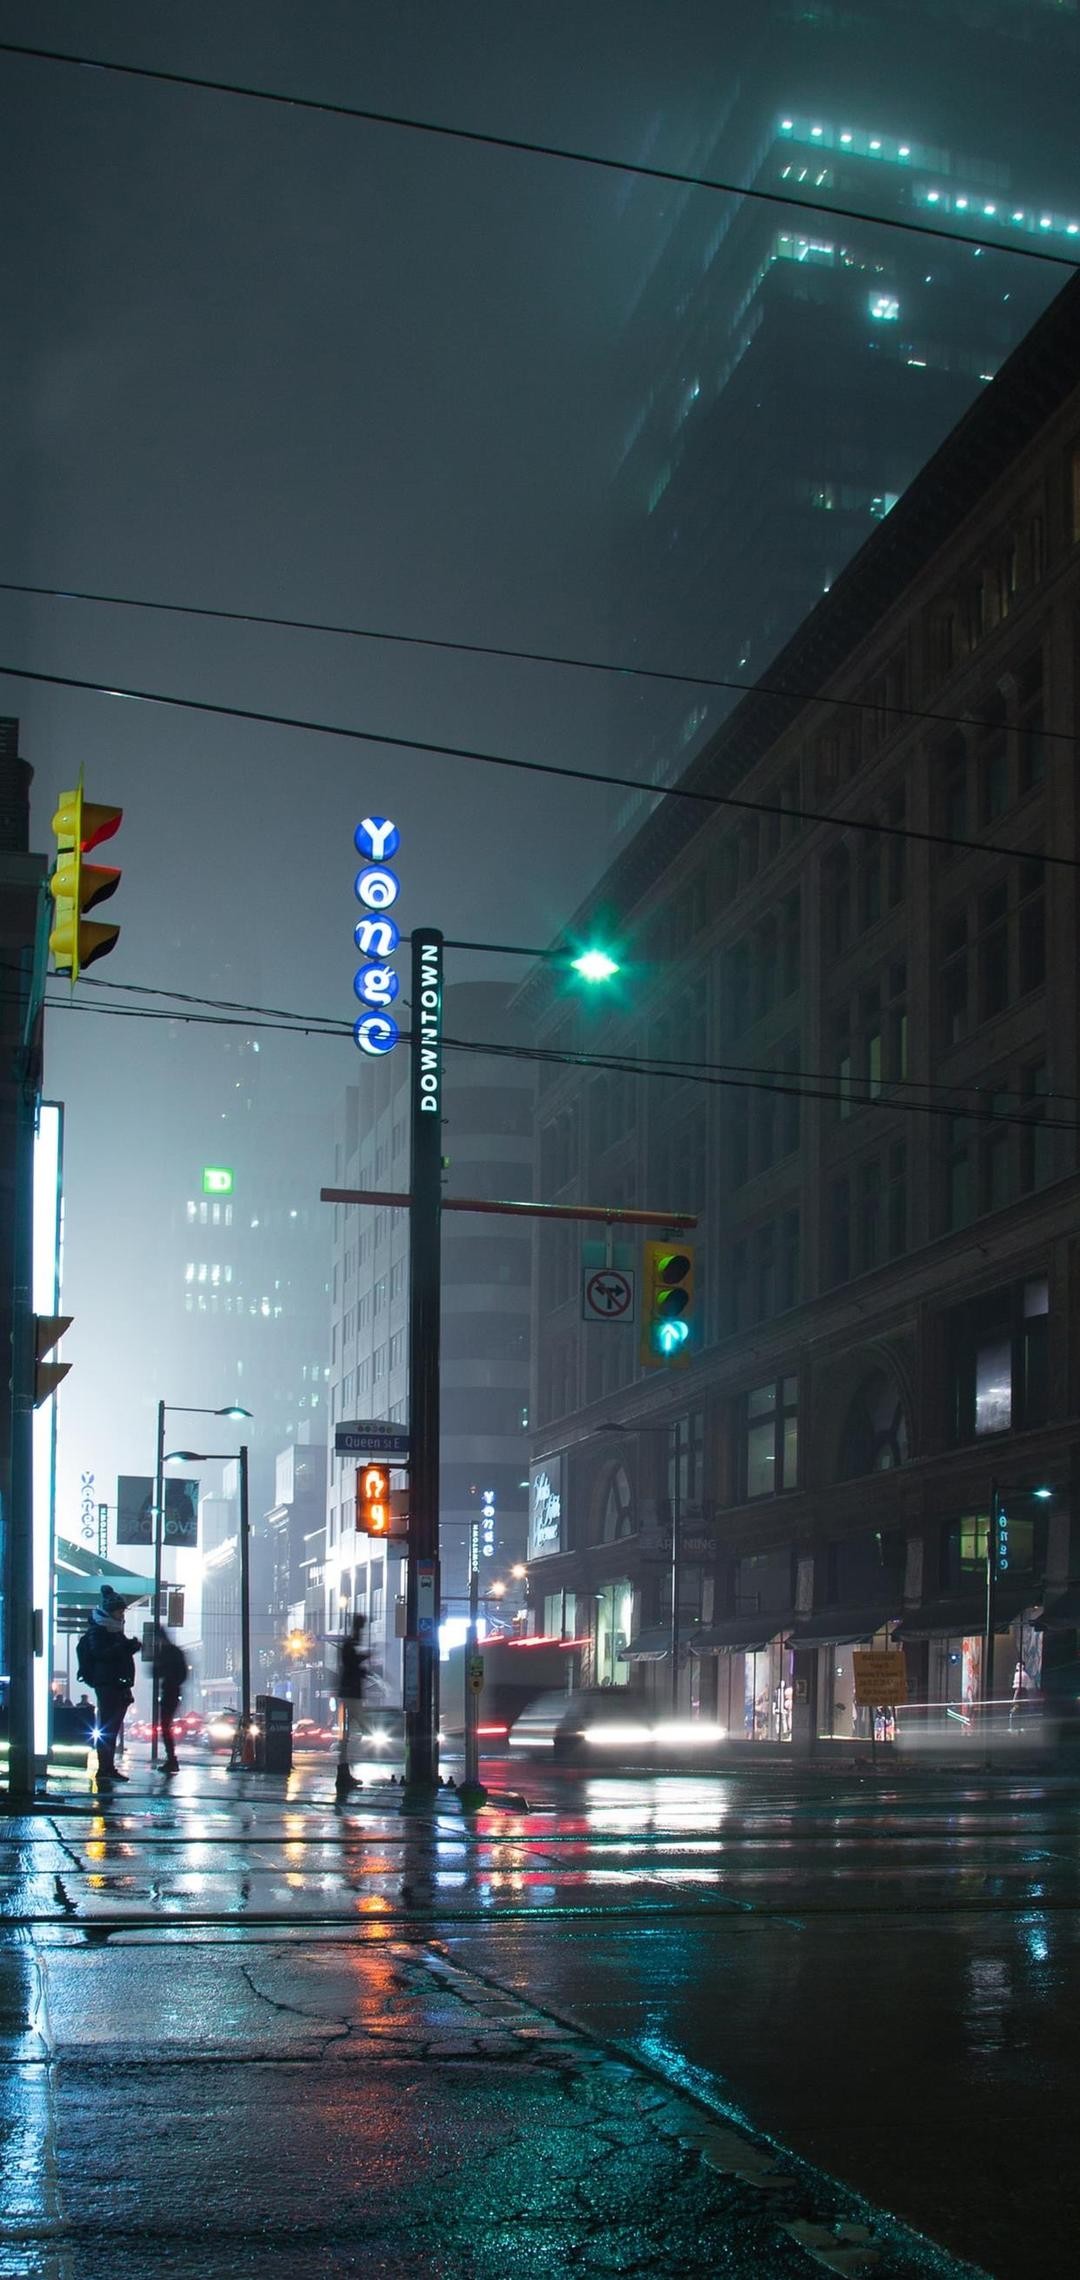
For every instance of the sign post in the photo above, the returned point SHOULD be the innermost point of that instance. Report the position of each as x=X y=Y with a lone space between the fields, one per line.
x=422 y=1584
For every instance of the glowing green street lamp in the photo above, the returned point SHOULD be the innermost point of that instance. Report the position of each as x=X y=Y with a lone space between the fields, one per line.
x=595 y=966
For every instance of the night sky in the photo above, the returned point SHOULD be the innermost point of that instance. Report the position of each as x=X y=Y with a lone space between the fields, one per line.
x=267 y=360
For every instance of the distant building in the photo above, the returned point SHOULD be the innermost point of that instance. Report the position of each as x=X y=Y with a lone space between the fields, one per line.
x=295 y=1518
x=809 y=362
x=861 y=1070
x=488 y=1106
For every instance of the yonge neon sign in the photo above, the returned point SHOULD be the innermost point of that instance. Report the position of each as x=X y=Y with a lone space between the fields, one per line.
x=376 y=935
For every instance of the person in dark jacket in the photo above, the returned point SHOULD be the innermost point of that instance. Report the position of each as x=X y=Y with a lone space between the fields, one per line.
x=352 y=1679
x=106 y=1663
x=171 y=1672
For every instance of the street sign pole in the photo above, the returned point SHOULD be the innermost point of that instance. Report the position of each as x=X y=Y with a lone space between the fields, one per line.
x=422 y=1642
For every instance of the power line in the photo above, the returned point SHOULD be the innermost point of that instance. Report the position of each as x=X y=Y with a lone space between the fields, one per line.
x=878 y=828
x=669 y=1064
x=517 y=656
x=616 y=1064
x=524 y=147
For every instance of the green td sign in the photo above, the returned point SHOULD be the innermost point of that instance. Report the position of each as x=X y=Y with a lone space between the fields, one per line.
x=217 y=1179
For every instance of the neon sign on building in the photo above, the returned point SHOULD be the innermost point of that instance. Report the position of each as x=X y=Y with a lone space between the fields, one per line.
x=376 y=935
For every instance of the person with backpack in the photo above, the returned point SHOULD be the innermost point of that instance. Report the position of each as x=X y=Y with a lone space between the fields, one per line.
x=105 y=1659
x=171 y=1675
x=353 y=1664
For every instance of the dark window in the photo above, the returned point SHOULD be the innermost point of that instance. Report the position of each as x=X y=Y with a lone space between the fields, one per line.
x=840 y=1230
x=954 y=794
x=790 y=944
x=836 y=900
x=959 y=1199
x=1032 y=927
x=788 y=1262
x=1036 y=1143
x=997 y=1357
x=896 y=1201
x=994 y=1157
x=895 y=849
x=993 y=953
x=992 y=760
x=1029 y=720
x=954 y=977
x=875 y=1435
x=771 y=1438
x=871 y=1218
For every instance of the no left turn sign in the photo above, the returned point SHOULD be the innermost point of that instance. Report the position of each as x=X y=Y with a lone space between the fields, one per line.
x=607 y=1294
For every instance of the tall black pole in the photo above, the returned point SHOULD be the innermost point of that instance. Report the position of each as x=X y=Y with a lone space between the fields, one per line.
x=422 y=1591
x=159 y=1535
x=990 y=1619
x=245 y=1603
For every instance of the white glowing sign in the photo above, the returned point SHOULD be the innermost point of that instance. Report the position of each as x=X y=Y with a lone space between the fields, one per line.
x=376 y=935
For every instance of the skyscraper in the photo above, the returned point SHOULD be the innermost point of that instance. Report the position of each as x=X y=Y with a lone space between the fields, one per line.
x=809 y=362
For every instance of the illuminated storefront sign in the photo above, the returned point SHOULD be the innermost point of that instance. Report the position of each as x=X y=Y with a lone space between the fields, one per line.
x=376 y=935
x=487 y=1523
x=545 y=1508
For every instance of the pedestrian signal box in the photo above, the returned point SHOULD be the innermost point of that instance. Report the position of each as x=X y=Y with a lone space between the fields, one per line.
x=380 y=1511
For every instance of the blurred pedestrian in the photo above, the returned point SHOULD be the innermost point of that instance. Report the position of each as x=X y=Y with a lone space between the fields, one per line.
x=171 y=1673
x=105 y=1660
x=352 y=1679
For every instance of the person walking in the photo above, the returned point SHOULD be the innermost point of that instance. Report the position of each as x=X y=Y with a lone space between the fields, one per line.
x=171 y=1672
x=352 y=1679
x=105 y=1659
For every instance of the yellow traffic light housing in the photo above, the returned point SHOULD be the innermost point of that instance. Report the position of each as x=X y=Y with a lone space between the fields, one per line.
x=668 y=1313
x=48 y=1331
x=78 y=825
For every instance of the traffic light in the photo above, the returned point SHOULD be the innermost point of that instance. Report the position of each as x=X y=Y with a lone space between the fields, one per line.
x=76 y=887
x=373 y=1500
x=48 y=1331
x=668 y=1312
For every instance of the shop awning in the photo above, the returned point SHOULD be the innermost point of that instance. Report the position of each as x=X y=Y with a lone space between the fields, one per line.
x=738 y=1635
x=649 y=1646
x=79 y=1575
x=1062 y=1613
x=962 y=1618
x=841 y=1626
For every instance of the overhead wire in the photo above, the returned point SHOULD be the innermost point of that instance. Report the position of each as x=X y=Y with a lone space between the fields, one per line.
x=524 y=146
x=878 y=827
x=669 y=1069
x=505 y=654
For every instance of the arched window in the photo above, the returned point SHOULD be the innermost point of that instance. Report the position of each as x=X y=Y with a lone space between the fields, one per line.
x=875 y=1435
x=617 y=1509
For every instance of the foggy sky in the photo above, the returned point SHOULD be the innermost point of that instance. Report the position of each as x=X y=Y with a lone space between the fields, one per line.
x=267 y=360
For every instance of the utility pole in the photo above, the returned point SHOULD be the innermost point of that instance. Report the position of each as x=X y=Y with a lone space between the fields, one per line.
x=425 y=1207
x=245 y=1601
x=159 y=1532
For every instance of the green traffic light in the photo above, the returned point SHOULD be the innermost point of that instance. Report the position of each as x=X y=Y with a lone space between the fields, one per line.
x=670 y=1336
x=594 y=966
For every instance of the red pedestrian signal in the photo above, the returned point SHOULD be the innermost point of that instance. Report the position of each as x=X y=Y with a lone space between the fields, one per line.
x=373 y=1500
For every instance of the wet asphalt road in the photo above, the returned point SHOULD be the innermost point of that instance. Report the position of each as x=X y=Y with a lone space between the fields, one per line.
x=883 y=1977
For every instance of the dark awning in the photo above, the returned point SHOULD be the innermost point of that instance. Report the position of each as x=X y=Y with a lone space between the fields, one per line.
x=1062 y=1613
x=649 y=1646
x=740 y=1634
x=841 y=1626
x=963 y=1618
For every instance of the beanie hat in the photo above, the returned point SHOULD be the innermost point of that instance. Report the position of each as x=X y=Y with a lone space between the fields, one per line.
x=111 y=1601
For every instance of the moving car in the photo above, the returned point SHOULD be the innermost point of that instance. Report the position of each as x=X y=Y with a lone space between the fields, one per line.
x=610 y=1726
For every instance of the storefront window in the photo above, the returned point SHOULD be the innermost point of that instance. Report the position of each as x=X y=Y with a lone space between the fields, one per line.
x=614 y=1614
x=771 y=1448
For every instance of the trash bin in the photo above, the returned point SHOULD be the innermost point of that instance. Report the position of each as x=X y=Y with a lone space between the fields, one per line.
x=273 y=1734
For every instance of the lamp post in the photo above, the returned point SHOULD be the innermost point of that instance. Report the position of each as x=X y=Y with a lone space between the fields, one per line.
x=225 y=1457
x=164 y=1409
x=997 y=1563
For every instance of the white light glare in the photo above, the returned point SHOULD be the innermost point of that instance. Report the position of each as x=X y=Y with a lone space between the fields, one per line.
x=595 y=966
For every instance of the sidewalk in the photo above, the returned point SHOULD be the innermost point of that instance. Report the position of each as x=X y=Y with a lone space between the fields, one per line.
x=199 y=2103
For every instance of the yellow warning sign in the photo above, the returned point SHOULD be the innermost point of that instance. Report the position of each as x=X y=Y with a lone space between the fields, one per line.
x=879 y=1678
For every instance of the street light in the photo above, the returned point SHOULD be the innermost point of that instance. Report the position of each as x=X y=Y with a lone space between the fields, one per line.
x=997 y=1561
x=225 y=1457
x=174 y=1409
